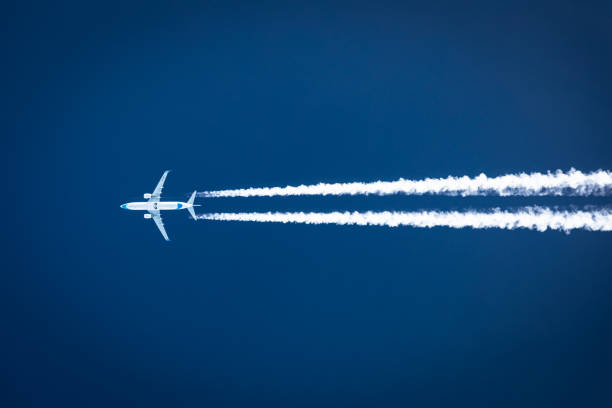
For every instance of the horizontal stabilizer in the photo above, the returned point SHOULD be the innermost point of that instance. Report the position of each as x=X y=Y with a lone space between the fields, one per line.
x=190 y=208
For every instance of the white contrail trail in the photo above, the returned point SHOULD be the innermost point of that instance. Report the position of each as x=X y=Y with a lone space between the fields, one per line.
x=574 y=182
x=534 y=218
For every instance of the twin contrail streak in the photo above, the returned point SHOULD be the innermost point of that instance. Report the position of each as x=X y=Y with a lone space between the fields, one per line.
x=533 y=218
x=573 y=183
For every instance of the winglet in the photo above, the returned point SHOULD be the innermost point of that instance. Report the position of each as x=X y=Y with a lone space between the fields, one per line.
x=190 y=208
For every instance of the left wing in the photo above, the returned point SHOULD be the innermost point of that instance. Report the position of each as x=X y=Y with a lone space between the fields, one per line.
x=156 y=194
x=158 y=221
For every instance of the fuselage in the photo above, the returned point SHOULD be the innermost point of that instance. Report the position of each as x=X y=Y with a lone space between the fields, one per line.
x=156 y=206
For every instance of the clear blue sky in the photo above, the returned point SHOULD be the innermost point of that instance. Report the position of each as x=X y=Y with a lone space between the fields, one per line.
x=101 y=311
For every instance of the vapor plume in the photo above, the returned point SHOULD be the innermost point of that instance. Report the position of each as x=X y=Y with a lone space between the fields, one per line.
x=572 y=183
x=533 y=218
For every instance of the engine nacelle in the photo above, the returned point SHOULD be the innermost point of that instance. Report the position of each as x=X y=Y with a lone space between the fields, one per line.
x=148 y=216
x=147 y=195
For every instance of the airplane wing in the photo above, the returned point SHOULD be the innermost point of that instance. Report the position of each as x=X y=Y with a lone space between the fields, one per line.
x=158 y=221
x=156 y=194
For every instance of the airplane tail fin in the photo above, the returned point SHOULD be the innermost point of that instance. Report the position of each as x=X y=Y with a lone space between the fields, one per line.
x=190 y=209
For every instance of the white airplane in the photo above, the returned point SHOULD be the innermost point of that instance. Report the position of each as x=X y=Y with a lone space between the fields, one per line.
x=154 y=206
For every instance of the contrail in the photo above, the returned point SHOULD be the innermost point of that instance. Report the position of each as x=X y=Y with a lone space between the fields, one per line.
x=533 y=218
x=573 y=183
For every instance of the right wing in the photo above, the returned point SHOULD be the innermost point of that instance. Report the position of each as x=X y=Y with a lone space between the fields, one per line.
x=156 y=194
x=158 y=221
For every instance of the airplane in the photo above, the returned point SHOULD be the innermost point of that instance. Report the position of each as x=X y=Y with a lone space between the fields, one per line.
x=154 y=206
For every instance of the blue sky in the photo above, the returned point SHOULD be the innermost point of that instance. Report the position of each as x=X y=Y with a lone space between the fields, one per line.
x=101 y=99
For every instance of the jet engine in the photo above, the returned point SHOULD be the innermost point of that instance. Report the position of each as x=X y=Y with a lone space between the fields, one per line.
x=148 y=216
x=147 y=195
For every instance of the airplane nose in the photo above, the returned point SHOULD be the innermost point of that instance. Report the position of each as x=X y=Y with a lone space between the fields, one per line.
x=123 y=206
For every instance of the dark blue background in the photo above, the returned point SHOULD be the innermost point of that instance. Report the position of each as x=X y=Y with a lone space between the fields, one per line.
x=100 y=99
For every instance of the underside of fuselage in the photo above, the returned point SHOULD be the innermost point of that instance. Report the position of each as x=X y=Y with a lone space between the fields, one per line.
x=156 y=206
